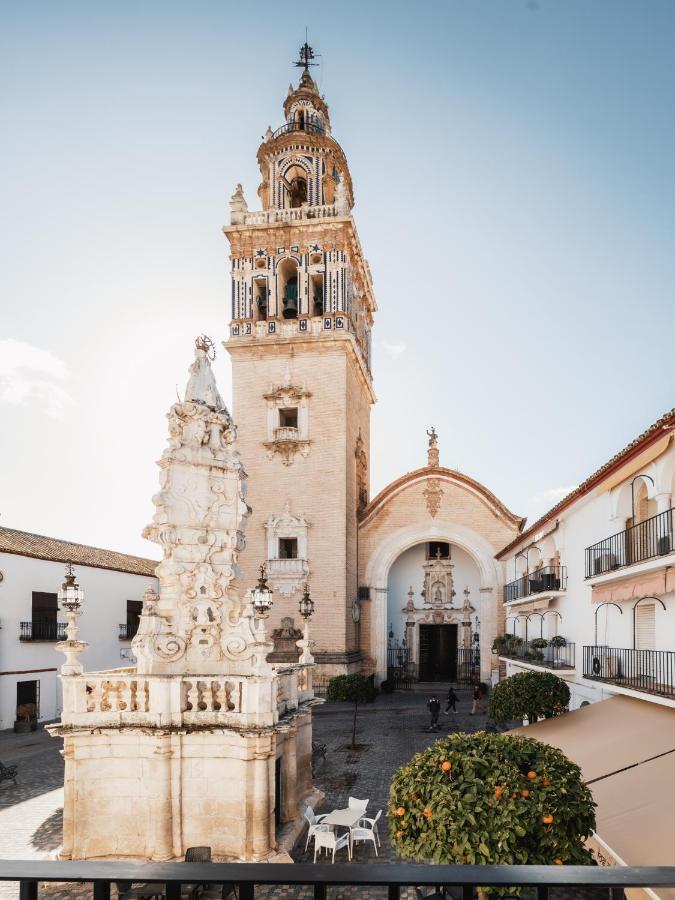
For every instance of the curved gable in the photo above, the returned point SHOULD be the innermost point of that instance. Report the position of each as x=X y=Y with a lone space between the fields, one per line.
x=449 y=476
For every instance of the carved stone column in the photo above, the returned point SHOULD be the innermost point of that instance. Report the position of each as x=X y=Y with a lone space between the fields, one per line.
x=379 y=626
x=68 y=754
x=488 y=631
x=162 y=837
x=289 y=805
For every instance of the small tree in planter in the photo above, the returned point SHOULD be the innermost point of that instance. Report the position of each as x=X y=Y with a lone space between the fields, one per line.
x=529 y=694
x=351 y=689
x=494 y=799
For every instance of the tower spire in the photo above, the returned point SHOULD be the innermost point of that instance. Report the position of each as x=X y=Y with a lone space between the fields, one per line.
x=306 y=56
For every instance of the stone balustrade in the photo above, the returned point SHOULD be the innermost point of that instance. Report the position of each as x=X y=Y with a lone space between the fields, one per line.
x=296 y=214
x=119 y=697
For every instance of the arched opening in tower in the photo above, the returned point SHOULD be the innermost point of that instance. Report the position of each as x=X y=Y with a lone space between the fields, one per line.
x=288 y=275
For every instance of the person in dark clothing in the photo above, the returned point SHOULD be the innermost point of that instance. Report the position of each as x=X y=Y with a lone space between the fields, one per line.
x=452 y=700
x=434 y=707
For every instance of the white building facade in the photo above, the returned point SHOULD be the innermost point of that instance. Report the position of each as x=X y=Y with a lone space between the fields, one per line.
x=591 y=586
x=32 y=569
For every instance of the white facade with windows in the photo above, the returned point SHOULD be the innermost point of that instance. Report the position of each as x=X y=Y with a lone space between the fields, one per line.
x=30 y=623
x=599 y=572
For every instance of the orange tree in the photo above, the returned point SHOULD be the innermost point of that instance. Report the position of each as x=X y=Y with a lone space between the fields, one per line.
x=491 y=799
x=531 y=694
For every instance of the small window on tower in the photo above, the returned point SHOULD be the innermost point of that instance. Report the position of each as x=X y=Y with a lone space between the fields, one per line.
x=288 y=548
x=316 y=291
x=288 y=418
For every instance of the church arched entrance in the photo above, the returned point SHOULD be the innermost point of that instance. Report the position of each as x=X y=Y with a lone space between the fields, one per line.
x=433 y=625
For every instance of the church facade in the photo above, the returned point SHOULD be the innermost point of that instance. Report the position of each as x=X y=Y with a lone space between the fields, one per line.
x=412 y=569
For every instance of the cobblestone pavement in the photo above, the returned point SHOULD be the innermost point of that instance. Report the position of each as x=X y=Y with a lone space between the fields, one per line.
x=389 y=732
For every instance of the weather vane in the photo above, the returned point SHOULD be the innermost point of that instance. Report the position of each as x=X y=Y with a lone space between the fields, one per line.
x=306 y=56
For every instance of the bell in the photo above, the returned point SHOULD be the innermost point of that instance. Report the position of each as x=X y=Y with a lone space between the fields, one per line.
x=291 y=300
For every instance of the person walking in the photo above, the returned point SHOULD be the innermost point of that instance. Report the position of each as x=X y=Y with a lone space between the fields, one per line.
x=477 y=697
x=434 y=707
x=452 y=700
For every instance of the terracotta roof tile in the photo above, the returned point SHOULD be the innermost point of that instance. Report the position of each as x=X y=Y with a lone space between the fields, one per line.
x=23 y=543
x=592 y=480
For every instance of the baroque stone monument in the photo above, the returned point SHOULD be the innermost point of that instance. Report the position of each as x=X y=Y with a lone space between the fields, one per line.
x=203 y=741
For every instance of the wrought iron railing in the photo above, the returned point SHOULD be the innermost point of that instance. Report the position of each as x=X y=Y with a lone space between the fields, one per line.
x=127 y=631
x=468 y=666
x=245 y=878
x=549 y=578
x=646 y=540
x=551 y=656
x=650 y=671
x=308 y=126
x=42 y=631
x=403 y=672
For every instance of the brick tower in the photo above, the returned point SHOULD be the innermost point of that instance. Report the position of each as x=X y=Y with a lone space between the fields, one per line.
x=302 y=313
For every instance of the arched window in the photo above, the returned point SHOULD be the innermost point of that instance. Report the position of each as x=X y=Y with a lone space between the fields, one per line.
x=288 y=282
x=298 y=192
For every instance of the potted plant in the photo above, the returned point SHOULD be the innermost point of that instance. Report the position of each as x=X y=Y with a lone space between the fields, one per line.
x=539 y=643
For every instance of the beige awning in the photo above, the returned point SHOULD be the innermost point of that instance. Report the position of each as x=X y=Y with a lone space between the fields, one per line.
x=636 y=463
x=610 y=735
x=626 y=750
x=648 y=584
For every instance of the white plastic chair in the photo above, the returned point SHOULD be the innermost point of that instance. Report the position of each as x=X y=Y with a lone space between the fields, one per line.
x=365 y=822
x=328 y=840
x=355 y=803
x=314 y=824
x=362 y=834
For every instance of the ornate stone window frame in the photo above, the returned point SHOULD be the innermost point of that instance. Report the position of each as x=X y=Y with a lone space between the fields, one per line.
x=287 y=575
x=284 y=441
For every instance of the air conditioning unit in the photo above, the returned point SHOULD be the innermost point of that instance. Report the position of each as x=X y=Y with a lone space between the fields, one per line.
x=664 y=545
x=604 y=563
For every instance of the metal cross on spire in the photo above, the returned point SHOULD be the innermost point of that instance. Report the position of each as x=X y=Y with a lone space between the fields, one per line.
x=306 y=56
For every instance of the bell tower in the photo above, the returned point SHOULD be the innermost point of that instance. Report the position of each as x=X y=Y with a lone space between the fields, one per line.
x=302 y=308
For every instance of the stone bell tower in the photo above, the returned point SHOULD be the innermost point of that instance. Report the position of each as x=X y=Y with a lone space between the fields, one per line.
x=302 y=308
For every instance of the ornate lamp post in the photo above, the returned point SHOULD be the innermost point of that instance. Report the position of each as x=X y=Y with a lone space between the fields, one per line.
x=70 y=598
x=261 y=596
x=306 y=609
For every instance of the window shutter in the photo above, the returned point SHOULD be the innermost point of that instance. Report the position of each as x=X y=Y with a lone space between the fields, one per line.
x=645 y=626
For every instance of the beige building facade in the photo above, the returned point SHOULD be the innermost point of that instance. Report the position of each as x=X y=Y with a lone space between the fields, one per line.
x=302 y=313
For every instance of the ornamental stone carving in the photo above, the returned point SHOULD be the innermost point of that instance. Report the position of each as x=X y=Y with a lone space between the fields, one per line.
x=199 y=624
x=286 y=574
x=433 y=493
x=287 y=421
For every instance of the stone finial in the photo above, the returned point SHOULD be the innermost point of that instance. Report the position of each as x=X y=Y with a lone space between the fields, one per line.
x=238 y=206
x=268 y=133
x=201 y=386
x=432 y=452
x=342 y=199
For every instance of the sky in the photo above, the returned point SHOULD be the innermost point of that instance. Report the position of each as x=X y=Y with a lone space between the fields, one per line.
x=514 y=172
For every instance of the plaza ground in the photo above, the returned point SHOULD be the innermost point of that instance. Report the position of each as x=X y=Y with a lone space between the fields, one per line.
x=390 y=731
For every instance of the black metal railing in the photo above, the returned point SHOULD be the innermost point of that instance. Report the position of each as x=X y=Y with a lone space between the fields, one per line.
x=651 y=671
x=245 y=878
x=127 y=631
x=401 y=670
x=309 y=127
x=467 y=670
x=42 y=631
x=549 y=578
x=646 y=540
x=550 y=656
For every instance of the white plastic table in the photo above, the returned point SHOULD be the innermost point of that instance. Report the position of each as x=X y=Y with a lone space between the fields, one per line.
x=345 y=817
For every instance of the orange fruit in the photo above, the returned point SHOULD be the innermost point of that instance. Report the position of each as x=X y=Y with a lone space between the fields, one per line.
x=427 y=812
x=446 y=766
x=498 y=792
x=400 y=811
x=546 y=782
x=558 y=862
x=399 y=834
x=525 y=793
x=532 y=775
x=547 y=820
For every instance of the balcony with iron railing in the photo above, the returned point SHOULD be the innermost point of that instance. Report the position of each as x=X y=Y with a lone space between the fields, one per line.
x=42 y=630
x=647 y=671
x=548 y=579
x=127 y=631
x=308 y=126
x=172 y=880
x=552 y=653
x=642 y=542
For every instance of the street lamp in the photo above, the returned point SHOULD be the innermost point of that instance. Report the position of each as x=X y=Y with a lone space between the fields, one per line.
x=71 y=596
x=306 y=604
x=261 y=596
